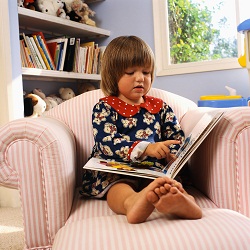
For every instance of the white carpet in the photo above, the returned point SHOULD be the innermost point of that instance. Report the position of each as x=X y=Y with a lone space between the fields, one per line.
x=11 y=229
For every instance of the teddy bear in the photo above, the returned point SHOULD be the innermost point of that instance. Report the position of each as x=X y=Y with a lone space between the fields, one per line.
x=34 y=105
x=85 y=87
x=51 y=7
x=83 y=10
x=66 y=93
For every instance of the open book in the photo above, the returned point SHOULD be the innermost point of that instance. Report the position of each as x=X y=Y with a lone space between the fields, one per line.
x=146 y=170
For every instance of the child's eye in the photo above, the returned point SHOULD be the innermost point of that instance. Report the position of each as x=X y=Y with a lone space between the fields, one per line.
x=146 y=72
x=129 y=73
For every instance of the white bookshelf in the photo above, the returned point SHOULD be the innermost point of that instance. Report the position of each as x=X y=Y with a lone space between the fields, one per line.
x=30 y=20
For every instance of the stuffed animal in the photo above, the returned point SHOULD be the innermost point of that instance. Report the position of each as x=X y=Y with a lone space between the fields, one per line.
x=66 y=93
x=50 y=102
x=29 y=4
x=34 y=105
x=20 y=3
x=51 y=7
x=85 y=87
x=68 y=5
x=56 y=98
x=83 y=10
x=69 y=12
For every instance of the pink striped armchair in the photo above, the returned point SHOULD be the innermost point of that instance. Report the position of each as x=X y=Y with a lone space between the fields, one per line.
x=43 y=158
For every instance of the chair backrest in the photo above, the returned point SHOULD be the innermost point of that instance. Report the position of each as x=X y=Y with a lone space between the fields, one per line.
x=76 y=113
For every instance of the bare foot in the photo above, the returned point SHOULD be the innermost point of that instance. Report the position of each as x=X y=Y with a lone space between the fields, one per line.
x=171 y=200
x=138 y=207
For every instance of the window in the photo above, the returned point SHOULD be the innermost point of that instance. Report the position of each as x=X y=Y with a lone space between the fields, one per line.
x=197 y=35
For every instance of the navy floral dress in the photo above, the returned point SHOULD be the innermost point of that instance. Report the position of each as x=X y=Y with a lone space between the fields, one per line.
x=123 y=131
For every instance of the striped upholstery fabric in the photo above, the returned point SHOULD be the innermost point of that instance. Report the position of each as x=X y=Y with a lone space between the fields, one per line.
x=43 y=158
x=29 y=156
x=218 y=229
x=224 y=158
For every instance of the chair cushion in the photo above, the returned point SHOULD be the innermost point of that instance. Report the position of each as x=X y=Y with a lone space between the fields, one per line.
x=218 y=229
x=90 y=208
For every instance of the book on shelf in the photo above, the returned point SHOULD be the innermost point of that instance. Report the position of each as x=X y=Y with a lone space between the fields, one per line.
x=90 y=46
x=25 y=54
x=42 y=41
x=77 y=56
x=70 y=55
x=60 y=51
x=42 y=64
x=33 y=54
x=145 y=169
x=46 y=62
x=99 y=63
x=53 y=50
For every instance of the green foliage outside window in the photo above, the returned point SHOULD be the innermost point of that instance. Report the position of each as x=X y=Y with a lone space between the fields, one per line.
x=192 y=35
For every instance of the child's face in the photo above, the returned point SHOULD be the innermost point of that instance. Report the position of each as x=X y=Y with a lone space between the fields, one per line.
x=134 y=84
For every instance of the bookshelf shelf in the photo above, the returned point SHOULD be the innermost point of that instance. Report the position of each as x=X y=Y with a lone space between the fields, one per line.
x=57 y=26
x=41 y=74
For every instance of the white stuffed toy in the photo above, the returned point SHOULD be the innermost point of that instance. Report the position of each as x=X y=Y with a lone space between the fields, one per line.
x=34 y=105
x=51 y=7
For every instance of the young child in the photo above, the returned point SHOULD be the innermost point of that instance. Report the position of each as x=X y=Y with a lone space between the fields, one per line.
x=129 y=126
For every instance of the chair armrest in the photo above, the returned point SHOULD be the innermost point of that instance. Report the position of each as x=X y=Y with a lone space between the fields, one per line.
x=38 y=156
x=220 y=166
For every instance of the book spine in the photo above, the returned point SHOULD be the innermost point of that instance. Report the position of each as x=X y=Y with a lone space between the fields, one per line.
x=42 y=52
x=59 y=55
x=31 y=50
x=28 y=55
x=70 y=55
x=76 y=59
x=23 y=55
x=42 y=64
x=42 y=44
x=64 y=50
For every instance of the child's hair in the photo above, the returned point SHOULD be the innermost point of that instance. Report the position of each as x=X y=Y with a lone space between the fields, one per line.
x=123 y=52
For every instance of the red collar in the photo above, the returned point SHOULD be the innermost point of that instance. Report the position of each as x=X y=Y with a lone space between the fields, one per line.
x=151 y=104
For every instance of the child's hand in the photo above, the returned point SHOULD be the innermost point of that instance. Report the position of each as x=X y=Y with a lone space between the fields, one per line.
x=160 y=150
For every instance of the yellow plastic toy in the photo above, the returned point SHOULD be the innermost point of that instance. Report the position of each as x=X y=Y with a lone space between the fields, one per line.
x=242 y=59
x=232 y=95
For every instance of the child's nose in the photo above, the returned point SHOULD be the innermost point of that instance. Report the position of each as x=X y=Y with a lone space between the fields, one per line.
x=139 y=76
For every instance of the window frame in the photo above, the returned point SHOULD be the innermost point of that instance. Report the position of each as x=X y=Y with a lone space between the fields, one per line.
x=162 y=50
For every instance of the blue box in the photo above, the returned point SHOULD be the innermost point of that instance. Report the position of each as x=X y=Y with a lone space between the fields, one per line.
x=224 y=103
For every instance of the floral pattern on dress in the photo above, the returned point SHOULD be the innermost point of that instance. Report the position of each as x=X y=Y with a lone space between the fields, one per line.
x=119 y=126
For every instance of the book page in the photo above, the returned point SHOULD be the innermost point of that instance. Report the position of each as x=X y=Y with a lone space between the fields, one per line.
x=115 y=167
x=192 y=141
